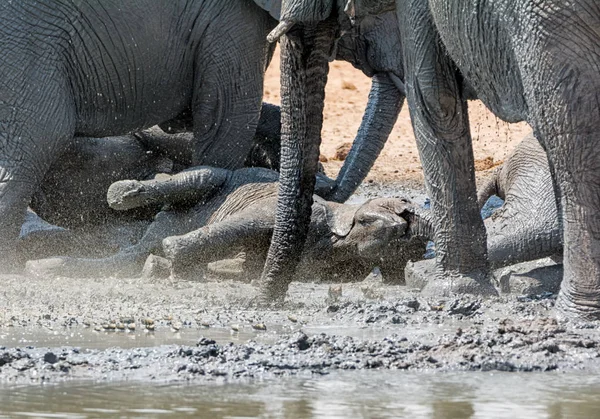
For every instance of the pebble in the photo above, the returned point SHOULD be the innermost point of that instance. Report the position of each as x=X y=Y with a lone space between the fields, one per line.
x=259 y=326
x=205 y=324
x=131 y=326
x=168 y=317
x=150 y=327
x=176 y=326
x=235 y=327
x=293 y=318
x=120 y=326
x=147 y=321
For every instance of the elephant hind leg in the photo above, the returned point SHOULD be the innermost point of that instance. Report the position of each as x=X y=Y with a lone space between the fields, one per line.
x=33 y=133
x=247 y=230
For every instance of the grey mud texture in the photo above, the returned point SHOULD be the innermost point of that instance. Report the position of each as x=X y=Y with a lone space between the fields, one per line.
x=320 y=328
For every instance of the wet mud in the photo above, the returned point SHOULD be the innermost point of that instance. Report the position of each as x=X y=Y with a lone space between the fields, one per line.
x=206 y=332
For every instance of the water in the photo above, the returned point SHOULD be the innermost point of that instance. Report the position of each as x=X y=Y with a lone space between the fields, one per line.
x=373 y=394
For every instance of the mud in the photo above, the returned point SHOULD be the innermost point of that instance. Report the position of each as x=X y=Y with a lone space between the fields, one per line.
x=211 y=332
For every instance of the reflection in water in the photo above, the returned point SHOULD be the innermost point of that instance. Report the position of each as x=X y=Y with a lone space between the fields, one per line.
x=380 y=394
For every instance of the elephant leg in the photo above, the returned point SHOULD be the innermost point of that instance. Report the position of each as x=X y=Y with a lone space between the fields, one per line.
x=228 y=90
x=578 y=175
x=128 y=262
x=34 y=129
x=440 y=121
x=250 y=229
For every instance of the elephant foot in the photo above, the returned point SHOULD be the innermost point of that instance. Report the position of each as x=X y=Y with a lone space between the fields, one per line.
x=568 y=309
x=66 y=267
x=10 y=262
x=156 y=269
x=432 y=281
x=51 y=268
x=43 y=244
x=530 y=278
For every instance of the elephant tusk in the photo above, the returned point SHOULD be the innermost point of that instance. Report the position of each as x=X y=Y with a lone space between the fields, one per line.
x=281 y=29
x=350 y=10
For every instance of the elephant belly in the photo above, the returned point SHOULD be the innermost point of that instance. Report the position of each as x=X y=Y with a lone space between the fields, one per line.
x=130 y=65
x=478 y=35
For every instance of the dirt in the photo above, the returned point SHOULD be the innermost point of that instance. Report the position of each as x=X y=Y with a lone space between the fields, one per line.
x=347 y=93
x=321 y=328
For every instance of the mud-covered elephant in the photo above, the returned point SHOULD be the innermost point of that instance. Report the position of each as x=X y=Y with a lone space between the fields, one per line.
x=527 y=61
x=214 y=214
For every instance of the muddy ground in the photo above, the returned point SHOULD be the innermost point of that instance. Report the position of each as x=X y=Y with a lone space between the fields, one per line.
x=54 y=330
x=314 y=333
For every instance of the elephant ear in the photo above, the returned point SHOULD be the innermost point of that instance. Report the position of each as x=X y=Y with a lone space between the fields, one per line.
x=340 y=217
x=271 y=6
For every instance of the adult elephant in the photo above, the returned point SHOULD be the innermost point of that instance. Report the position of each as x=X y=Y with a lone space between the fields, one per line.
x=532 y=61
x=308 y=48
x=101 y=68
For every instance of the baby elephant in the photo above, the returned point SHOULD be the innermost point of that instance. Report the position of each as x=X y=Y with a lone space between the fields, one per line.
x=212 y=214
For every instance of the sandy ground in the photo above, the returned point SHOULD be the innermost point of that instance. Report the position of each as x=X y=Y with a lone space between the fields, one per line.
x=347 y=93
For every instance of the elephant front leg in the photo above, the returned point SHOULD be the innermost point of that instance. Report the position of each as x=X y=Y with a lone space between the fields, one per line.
x=577 y=159
x=440 y=121
x=249 y=230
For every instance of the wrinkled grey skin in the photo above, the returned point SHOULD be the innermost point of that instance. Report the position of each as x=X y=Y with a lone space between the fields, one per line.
x=104 y=68
x=532 y=61
x=71 y=200
x=214 y=214
x=526 y=226
x=527 y=61
x=73 y=192
x=371 y=47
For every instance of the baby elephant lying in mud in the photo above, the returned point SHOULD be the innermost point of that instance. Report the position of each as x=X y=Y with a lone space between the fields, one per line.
x=212 y=214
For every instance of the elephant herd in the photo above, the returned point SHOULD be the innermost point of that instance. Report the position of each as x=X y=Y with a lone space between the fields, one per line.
x=77 y=78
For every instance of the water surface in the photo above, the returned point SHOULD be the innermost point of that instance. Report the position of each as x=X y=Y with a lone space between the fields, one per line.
x=373 y=394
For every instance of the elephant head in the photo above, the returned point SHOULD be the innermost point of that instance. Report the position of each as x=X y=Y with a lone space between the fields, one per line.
x=379 y=229
x=387 y=232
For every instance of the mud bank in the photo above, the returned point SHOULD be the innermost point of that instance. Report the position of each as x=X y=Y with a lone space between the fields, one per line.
x=321 y=328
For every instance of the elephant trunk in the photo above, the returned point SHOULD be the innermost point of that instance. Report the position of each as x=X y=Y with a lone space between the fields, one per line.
x=305 y=52
x=381 y=113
